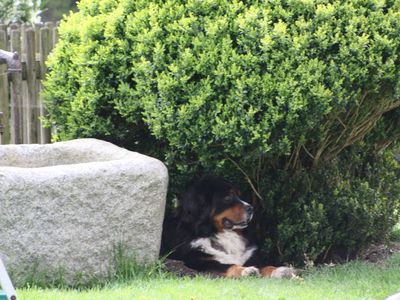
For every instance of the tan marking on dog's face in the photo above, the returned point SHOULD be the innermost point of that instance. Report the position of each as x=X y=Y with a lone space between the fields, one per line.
x=235 y=214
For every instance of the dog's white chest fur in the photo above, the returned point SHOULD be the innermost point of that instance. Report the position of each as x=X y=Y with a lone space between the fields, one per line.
x=226 y=247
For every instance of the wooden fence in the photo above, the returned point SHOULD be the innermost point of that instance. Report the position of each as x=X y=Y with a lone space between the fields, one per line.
x=23 y=53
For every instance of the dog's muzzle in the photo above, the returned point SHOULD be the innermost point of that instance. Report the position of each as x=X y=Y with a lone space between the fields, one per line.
x=249 y=212
x=228 y=224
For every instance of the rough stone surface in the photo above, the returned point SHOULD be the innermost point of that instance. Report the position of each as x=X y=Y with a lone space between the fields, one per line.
x=66 y=205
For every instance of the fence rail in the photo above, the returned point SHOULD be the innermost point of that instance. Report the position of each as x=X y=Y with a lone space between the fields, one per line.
x=23 y=53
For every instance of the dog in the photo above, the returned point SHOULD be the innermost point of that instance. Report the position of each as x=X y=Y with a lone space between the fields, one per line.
x=207 y=233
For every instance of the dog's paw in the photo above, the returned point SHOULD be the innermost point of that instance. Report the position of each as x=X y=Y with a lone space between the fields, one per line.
x=284 y=272
x=250 y=271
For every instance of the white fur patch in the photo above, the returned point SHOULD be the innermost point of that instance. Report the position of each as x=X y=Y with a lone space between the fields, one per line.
x=226 y=247
x=283 y=272
x=249 y=271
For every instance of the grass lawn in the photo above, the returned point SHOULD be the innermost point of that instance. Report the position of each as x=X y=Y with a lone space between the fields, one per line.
x=355 y=280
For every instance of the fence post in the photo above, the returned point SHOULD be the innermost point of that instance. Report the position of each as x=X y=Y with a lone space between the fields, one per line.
x=55 y=34
x=16 y=91
x=24 y=91
x=50 y=26
x=4 y=89
x=36 y=28
x=4 y=107
x=3 y=37
x=32 y=107
x=46 y=44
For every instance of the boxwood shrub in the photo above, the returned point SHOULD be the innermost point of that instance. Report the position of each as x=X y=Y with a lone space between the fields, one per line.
x=297 y=101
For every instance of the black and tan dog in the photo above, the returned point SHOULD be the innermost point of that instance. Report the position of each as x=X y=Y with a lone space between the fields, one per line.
x=207 y=233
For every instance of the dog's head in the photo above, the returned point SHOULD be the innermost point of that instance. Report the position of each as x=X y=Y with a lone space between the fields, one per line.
x=214 y=205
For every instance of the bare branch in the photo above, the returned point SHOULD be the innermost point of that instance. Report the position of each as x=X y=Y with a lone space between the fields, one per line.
x=247 y=178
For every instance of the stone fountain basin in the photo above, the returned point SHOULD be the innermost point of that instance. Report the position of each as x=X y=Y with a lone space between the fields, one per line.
x=66 y=206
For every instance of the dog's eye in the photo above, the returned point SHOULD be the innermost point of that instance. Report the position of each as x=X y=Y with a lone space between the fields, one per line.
x=227 y=223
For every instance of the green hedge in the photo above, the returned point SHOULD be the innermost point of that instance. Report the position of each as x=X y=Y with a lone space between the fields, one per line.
x=278 y=95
